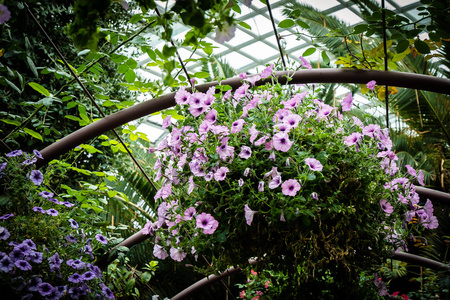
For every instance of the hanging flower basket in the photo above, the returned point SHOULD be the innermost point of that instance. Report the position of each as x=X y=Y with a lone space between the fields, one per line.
x=274 y=174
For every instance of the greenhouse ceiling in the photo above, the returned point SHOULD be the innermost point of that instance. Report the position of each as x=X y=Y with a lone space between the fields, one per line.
x=251 y=50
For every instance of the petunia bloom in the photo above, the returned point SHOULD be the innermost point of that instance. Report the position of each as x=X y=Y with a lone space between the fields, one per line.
x=15 y=152
x=371 y=84
x=386 y=206
x=281 y=142
x=314 y=164
x=347 y=102
x=290 y=187
x=221 y=173
x=101 y=239
x=249 y=213
x=36 y=177
x=176 y=254
x=5 y=14
x=160 y=252
x=207 y=223
x=225 y=33
x=246 y=152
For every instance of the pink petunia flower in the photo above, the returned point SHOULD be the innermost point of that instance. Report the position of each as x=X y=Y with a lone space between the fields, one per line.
x=281 y=142
x=221 y=173
x=246 y=152
x=347 y=102
x=352 y=139
x=267 y=71
x=386 y=206
x=176 y=254
x=314 y=164
x=249 y=214
x=290 y=187
x=207 y=223
x=160 y=252
x=305 y=63
x=371 y=84
x=237 y=126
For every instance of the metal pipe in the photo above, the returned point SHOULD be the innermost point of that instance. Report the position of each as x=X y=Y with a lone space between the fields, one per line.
x=401 y=256
x=399 y=79
x=433 y=195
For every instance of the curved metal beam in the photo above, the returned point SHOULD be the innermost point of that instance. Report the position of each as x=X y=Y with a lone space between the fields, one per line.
x=399 y=79
x=433 y=195
x=401 y=256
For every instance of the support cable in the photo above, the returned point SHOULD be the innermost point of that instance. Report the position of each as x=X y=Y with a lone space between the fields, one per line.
x=386 y=87
x=89 y=95
x=276 y=34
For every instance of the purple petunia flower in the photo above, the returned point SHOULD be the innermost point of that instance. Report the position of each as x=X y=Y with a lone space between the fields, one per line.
x=101 y=239
x=76 y=264
x=73 y=223
x=6 y=265
x=290 y=187
x=67 y=204
x=207 y=223
x=45 y=288
x=3 y=166
x=38 y=209
x=35 y=257
x=38 y=154
x=75 y=278
x=33 y=283
x=160 y=252
x=29 y=243
x=36 y=177
x=314 y=164
x=71 y=239
x=46 y=194
x=249 y=214
x=314 y=196
x=16 y=254
x=386 y=206
x=15 y=152
x=4 y=233
x=107 y=292
x=281 y=142
x=176 y=254
x=7 y=216
x=5 y=15
x=52 y=212
x=420 y=178
x=88 y=276
x=23 y=265
x=371 y=84
x=224 y=33
x=54 y=262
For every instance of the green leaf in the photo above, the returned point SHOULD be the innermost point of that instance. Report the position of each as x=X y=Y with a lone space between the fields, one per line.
x=146 y=276
x=33 y=134
x=286 y=23
x=201 y=74
x=422 y=47
x=168 y=51
x=151 y=54
x=108 y=103
x=39 y=88
x=11 y=122
x=311 y=177
x=309 y=51
x=360 y=28
x=245 y=25
x=402 y=46
x=302 y=24
x=236 y=8
x=73 y=118
x=136 y=18
x=132 y=63
x=123 y=68
x=32 y=67
x=130 y=76
x=13 y=86
x=325 y=58
x=83 y=52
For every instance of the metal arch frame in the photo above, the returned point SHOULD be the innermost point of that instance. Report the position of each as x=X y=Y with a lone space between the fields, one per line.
x=399 y=79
